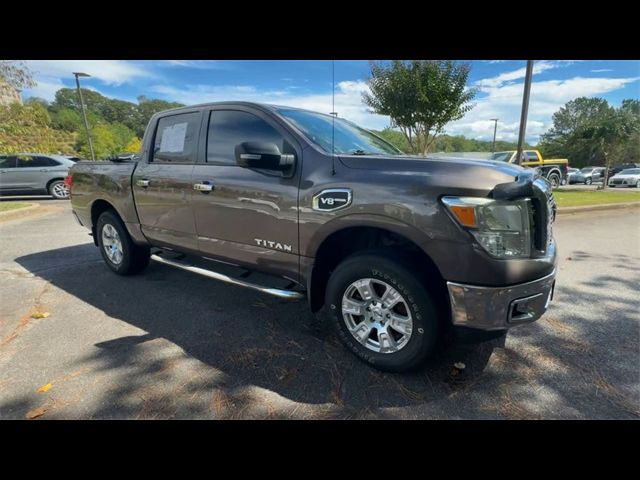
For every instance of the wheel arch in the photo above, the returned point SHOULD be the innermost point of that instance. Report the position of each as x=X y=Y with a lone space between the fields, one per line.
x=98 y=207
x=343 y=242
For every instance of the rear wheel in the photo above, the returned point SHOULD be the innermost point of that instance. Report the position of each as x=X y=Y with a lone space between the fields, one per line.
x=381 y=311
x=58 y=190
x=118 y=250
x=588 y=181
x=638 y=184
x=554 y=179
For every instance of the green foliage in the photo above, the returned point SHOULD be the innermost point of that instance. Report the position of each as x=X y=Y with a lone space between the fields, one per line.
x=108 y=139
x=16 y=74
x=447 y=143
x=134 y=146
x=26 y=128
x=589 y=131
x=420 y=96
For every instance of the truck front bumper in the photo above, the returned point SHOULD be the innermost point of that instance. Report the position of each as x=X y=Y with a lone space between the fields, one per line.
x=499 y=308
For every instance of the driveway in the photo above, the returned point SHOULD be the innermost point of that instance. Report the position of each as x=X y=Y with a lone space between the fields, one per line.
x=169 y=344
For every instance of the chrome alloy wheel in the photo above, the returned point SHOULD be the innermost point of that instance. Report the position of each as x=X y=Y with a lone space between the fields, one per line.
x=111 y=244
x=377 y=315
x=60 y=190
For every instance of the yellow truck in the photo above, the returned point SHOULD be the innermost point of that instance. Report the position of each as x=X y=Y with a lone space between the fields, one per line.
x=554 y=170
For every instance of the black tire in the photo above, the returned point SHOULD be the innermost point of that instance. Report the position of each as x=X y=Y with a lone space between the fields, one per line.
x=56 y=189
x=588 y=181
x=395 y=271
x=554 y=179
x=135 y=258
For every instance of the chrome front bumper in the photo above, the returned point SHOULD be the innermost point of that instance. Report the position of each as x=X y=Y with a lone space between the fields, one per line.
x=499 y=308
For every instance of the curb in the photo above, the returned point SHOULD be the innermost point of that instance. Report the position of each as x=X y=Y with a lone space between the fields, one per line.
x=19 y=212
x=594 y=208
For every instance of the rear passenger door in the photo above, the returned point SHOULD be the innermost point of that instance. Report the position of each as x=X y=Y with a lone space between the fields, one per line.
x=162 y=184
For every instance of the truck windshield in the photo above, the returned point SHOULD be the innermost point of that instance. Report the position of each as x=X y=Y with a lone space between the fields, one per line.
x=346 y=137
x=501 y=156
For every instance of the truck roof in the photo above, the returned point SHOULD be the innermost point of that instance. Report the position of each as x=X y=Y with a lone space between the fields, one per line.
x=263 y=106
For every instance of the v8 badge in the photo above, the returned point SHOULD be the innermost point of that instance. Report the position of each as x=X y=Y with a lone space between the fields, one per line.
x=332 y=199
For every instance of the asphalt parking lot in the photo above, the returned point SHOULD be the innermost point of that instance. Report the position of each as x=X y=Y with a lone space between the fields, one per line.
x=169 y=344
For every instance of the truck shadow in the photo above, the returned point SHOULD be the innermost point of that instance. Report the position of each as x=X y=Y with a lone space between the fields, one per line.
x=250 y=339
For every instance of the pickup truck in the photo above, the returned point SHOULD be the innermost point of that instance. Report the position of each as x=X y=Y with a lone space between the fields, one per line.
x=393 y=250
x=554 y=170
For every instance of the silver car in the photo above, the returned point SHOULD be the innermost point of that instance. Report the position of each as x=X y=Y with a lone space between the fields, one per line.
x=34 y=174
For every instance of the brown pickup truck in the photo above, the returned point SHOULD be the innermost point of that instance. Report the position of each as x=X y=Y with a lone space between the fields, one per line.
x=395 y=249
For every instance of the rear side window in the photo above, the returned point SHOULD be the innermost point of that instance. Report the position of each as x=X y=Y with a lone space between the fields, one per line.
x=228 y=128
x=38 y=162
x=531 y=156
x=7 y=162
x=177 y=138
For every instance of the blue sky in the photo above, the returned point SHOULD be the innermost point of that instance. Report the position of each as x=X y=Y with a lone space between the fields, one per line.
x=308 y=84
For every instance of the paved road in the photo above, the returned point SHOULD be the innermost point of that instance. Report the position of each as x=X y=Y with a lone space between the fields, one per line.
x=168 y=344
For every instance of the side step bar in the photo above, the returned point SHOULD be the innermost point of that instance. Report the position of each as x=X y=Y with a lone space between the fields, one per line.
x=286 y=294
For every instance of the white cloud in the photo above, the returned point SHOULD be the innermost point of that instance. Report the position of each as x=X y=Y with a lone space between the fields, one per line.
x=111 y=72
x=538 y=67
x=601 y=70
x=348 y=99
x=547 y=97
x=46 y=88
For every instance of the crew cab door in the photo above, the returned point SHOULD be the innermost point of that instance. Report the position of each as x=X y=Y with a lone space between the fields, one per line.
x=8 y=172
x=162 y=185
x=249 y=217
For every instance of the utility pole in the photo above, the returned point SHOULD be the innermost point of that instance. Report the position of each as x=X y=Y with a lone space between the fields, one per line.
x=495 y=130
x=84 y=113
x=525 y=110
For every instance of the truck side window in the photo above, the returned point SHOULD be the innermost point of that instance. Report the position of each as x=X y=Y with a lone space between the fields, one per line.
x=228 y=128
x=531 y=156
x=177 y=138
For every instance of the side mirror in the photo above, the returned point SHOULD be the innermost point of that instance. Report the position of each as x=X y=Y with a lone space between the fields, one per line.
x=263 y=155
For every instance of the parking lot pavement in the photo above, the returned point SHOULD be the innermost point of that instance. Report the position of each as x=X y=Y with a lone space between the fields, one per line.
x=168 y=344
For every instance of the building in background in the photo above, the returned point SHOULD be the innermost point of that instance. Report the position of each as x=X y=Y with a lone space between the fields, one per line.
x=9 y=94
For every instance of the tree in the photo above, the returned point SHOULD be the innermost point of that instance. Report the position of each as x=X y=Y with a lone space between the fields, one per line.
x=420 y=96
x=589 y=131
x=17 y=74
x=134 y=145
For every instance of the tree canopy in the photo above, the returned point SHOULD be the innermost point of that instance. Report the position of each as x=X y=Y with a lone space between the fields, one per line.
x=420 y=96
x=589 y=131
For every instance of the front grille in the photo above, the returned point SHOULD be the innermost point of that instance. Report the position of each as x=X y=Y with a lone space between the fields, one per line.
x=617 y=181
x=543 y=212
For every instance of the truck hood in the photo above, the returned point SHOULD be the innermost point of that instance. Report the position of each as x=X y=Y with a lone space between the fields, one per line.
x=464 y=170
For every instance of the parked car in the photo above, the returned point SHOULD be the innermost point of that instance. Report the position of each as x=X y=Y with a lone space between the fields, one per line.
x=553 y=169
x=626 y=178
x=625 y=166
x=34 y=174
x=395 y=249
x=571 y=172
x=588 y=175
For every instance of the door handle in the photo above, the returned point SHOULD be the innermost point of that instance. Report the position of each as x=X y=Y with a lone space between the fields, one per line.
x=204 y=187
x=143 y=183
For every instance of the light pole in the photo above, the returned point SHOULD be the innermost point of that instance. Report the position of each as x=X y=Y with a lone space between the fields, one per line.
x=525 y=110
x=495 y=130
x=84 y=113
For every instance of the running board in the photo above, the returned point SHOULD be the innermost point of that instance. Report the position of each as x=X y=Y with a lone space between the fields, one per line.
x=286 y=294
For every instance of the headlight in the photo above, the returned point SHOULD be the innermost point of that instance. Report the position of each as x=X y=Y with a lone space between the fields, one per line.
x=500 y=227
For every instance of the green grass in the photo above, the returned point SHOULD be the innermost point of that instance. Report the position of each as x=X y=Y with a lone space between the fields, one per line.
x=576 y=198
x=6 y=206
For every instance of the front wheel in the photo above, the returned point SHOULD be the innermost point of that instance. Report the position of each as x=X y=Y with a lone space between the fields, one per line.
x=118 y=250
x=58 y=190
x=588 y=181
x=381 y=311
